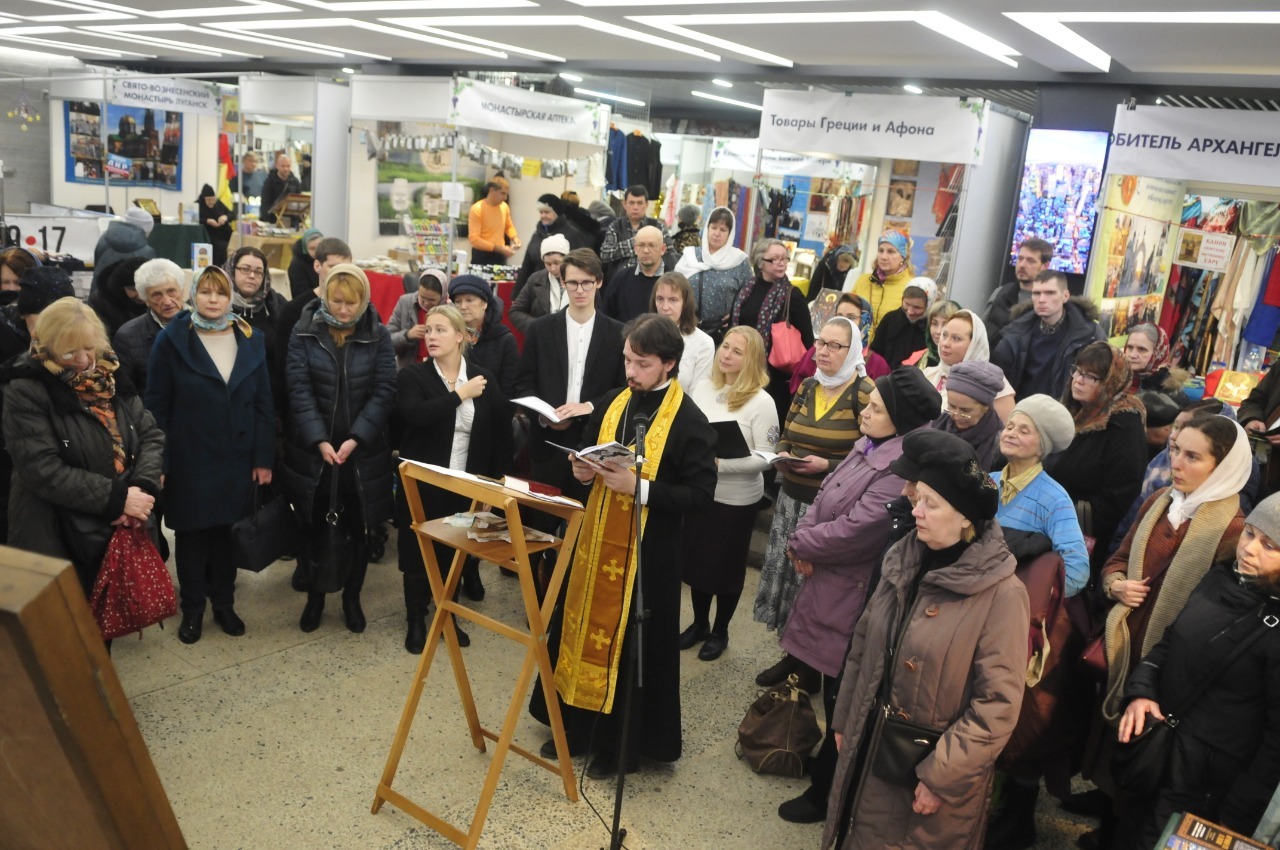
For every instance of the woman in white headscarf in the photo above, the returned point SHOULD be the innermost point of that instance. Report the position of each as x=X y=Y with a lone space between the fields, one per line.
x=716 y=271
x=963 y=339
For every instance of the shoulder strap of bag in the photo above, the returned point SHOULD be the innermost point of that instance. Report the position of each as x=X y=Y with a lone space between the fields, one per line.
x=332 y=516
x=1267 y=622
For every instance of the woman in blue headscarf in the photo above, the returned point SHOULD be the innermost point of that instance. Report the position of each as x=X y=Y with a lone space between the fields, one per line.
x=882 y=286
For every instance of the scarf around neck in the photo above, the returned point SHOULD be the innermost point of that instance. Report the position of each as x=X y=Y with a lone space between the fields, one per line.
x=775 y=300
x=1113 y=397
x=96 y=388
x=1160 y=359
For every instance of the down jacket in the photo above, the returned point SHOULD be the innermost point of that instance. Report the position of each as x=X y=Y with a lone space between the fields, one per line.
x=961 y=668
x=218 y=431
x=1082 y=328
x=365 y=381
x=63 y=460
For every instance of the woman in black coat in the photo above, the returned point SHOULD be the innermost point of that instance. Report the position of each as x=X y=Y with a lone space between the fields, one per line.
x=208 y=386
x=1102 y=469
x=257 y=303
x=86 y=454
x=216 y=218
x=1225 y=762
x=303 y=277
x=455 y=415
x=342 y=384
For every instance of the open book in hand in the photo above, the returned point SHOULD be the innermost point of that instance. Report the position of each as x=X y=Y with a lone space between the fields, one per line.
x=774 y=459
x=537 y=405
x=611 y=452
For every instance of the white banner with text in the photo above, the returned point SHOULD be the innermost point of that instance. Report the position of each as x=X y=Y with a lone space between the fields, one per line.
x=1211 y=145
x=874 y=126
x=508 y=109
x=165 y=93
x=740 y=155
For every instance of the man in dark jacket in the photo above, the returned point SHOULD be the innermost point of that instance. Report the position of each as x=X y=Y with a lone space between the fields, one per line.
x=162 y=287
x=1033 y=257
x=116 y=299
x=492 y=345
x=279 y=183
x=630 y=289
x=1039 y=346
x=122 y=240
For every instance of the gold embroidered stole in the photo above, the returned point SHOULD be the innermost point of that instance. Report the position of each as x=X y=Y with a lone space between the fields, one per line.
x=597 y=604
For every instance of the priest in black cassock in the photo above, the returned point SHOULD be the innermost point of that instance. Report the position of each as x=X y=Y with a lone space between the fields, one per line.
x=586 y=641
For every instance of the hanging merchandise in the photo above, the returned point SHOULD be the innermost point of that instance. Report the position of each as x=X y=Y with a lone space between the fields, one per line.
x=24 y=112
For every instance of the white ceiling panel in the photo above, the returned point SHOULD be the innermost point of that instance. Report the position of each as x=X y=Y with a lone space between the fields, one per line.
x=1180 y=48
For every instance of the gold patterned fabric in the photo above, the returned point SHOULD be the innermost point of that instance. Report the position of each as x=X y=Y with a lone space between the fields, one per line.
x=602 y=578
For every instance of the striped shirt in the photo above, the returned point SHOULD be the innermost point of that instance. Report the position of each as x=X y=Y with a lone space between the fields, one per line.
x=830 y=436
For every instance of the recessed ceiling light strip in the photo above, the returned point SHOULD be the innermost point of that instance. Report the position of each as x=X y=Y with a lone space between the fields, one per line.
x=484 y=42
x=606 y=96
x=256 y=7
x=428 y=39
x=413 y=5
x=73 y=48
x=729 y=100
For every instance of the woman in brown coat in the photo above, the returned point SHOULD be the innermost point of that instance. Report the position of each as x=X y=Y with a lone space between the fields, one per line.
x=958 y=665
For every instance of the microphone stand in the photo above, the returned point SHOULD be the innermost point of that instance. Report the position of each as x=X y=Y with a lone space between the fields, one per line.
x=633 y=636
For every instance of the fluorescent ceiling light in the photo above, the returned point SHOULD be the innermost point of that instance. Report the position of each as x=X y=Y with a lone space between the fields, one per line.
x=412 y=5
x=484 y=42
x=39 y=57
x=913 y=89
x=606 y=96
x=727 y=100
x=73 y=48
x=573 y=78
x=275 y=41
x=138 y=33
x=724 y=84
x=488 y=22
x=936 y=21
x=235 y=7
x=429 y=39
x=348 y=70
x=1047 y=26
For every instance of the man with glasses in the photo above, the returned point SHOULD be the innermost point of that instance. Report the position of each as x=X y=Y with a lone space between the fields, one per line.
x=570 y=358
x=630 y=288
x=619 y=248
x=1039 y=346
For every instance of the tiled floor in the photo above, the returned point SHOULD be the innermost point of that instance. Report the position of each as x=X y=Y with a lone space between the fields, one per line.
x=276 y=740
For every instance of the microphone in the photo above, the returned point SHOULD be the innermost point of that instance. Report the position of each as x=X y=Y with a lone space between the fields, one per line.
x=640 y=434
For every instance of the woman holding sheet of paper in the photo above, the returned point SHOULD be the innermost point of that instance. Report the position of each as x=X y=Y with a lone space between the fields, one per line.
x=455 y=415
x=715 y=548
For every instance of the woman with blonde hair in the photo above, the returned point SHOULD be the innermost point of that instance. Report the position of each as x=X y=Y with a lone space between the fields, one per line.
x=455 y=415
x=76 y=475
x=208 y=386
x=715 y=548
x=342 y=386
x=672 y=297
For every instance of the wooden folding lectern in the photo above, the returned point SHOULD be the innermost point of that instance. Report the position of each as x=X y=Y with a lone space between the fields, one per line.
x=514 y=555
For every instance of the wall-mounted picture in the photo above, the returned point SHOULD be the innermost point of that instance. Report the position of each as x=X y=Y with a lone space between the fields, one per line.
x=143 y=146
x=902 y=198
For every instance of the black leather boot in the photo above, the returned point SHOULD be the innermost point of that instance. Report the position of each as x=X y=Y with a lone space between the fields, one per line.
x=352 y=613
x=415 y=638
x=1015 y=827
x=311 y=613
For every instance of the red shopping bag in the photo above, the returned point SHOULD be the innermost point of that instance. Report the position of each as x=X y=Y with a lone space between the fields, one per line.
x=133 y=589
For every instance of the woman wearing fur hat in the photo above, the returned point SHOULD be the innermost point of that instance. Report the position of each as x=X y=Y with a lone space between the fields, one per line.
x=942 y=645
x=342 y=387
x=208 y=386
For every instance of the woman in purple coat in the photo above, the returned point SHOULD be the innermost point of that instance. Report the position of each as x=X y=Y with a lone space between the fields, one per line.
x=837 y=546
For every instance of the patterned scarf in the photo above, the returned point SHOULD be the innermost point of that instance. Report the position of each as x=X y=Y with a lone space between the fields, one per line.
x=770 y=311
x=1160 y=358
x=1113 y=397
x=95 y=389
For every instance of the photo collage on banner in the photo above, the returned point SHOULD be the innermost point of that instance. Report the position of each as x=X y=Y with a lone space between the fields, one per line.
x=1138 y=235
x=143 y=147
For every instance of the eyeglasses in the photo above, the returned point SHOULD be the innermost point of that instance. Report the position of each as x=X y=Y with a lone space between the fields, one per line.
x=783 y=259
x=820 y=344
x=954 y=413
x=578 y=285
x=1085 y=377
x=250 y=271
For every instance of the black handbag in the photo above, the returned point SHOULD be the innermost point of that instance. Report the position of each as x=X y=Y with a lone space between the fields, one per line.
x=901 y=745
x=265 y=536
x=335 y=548
x=1138 y=767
